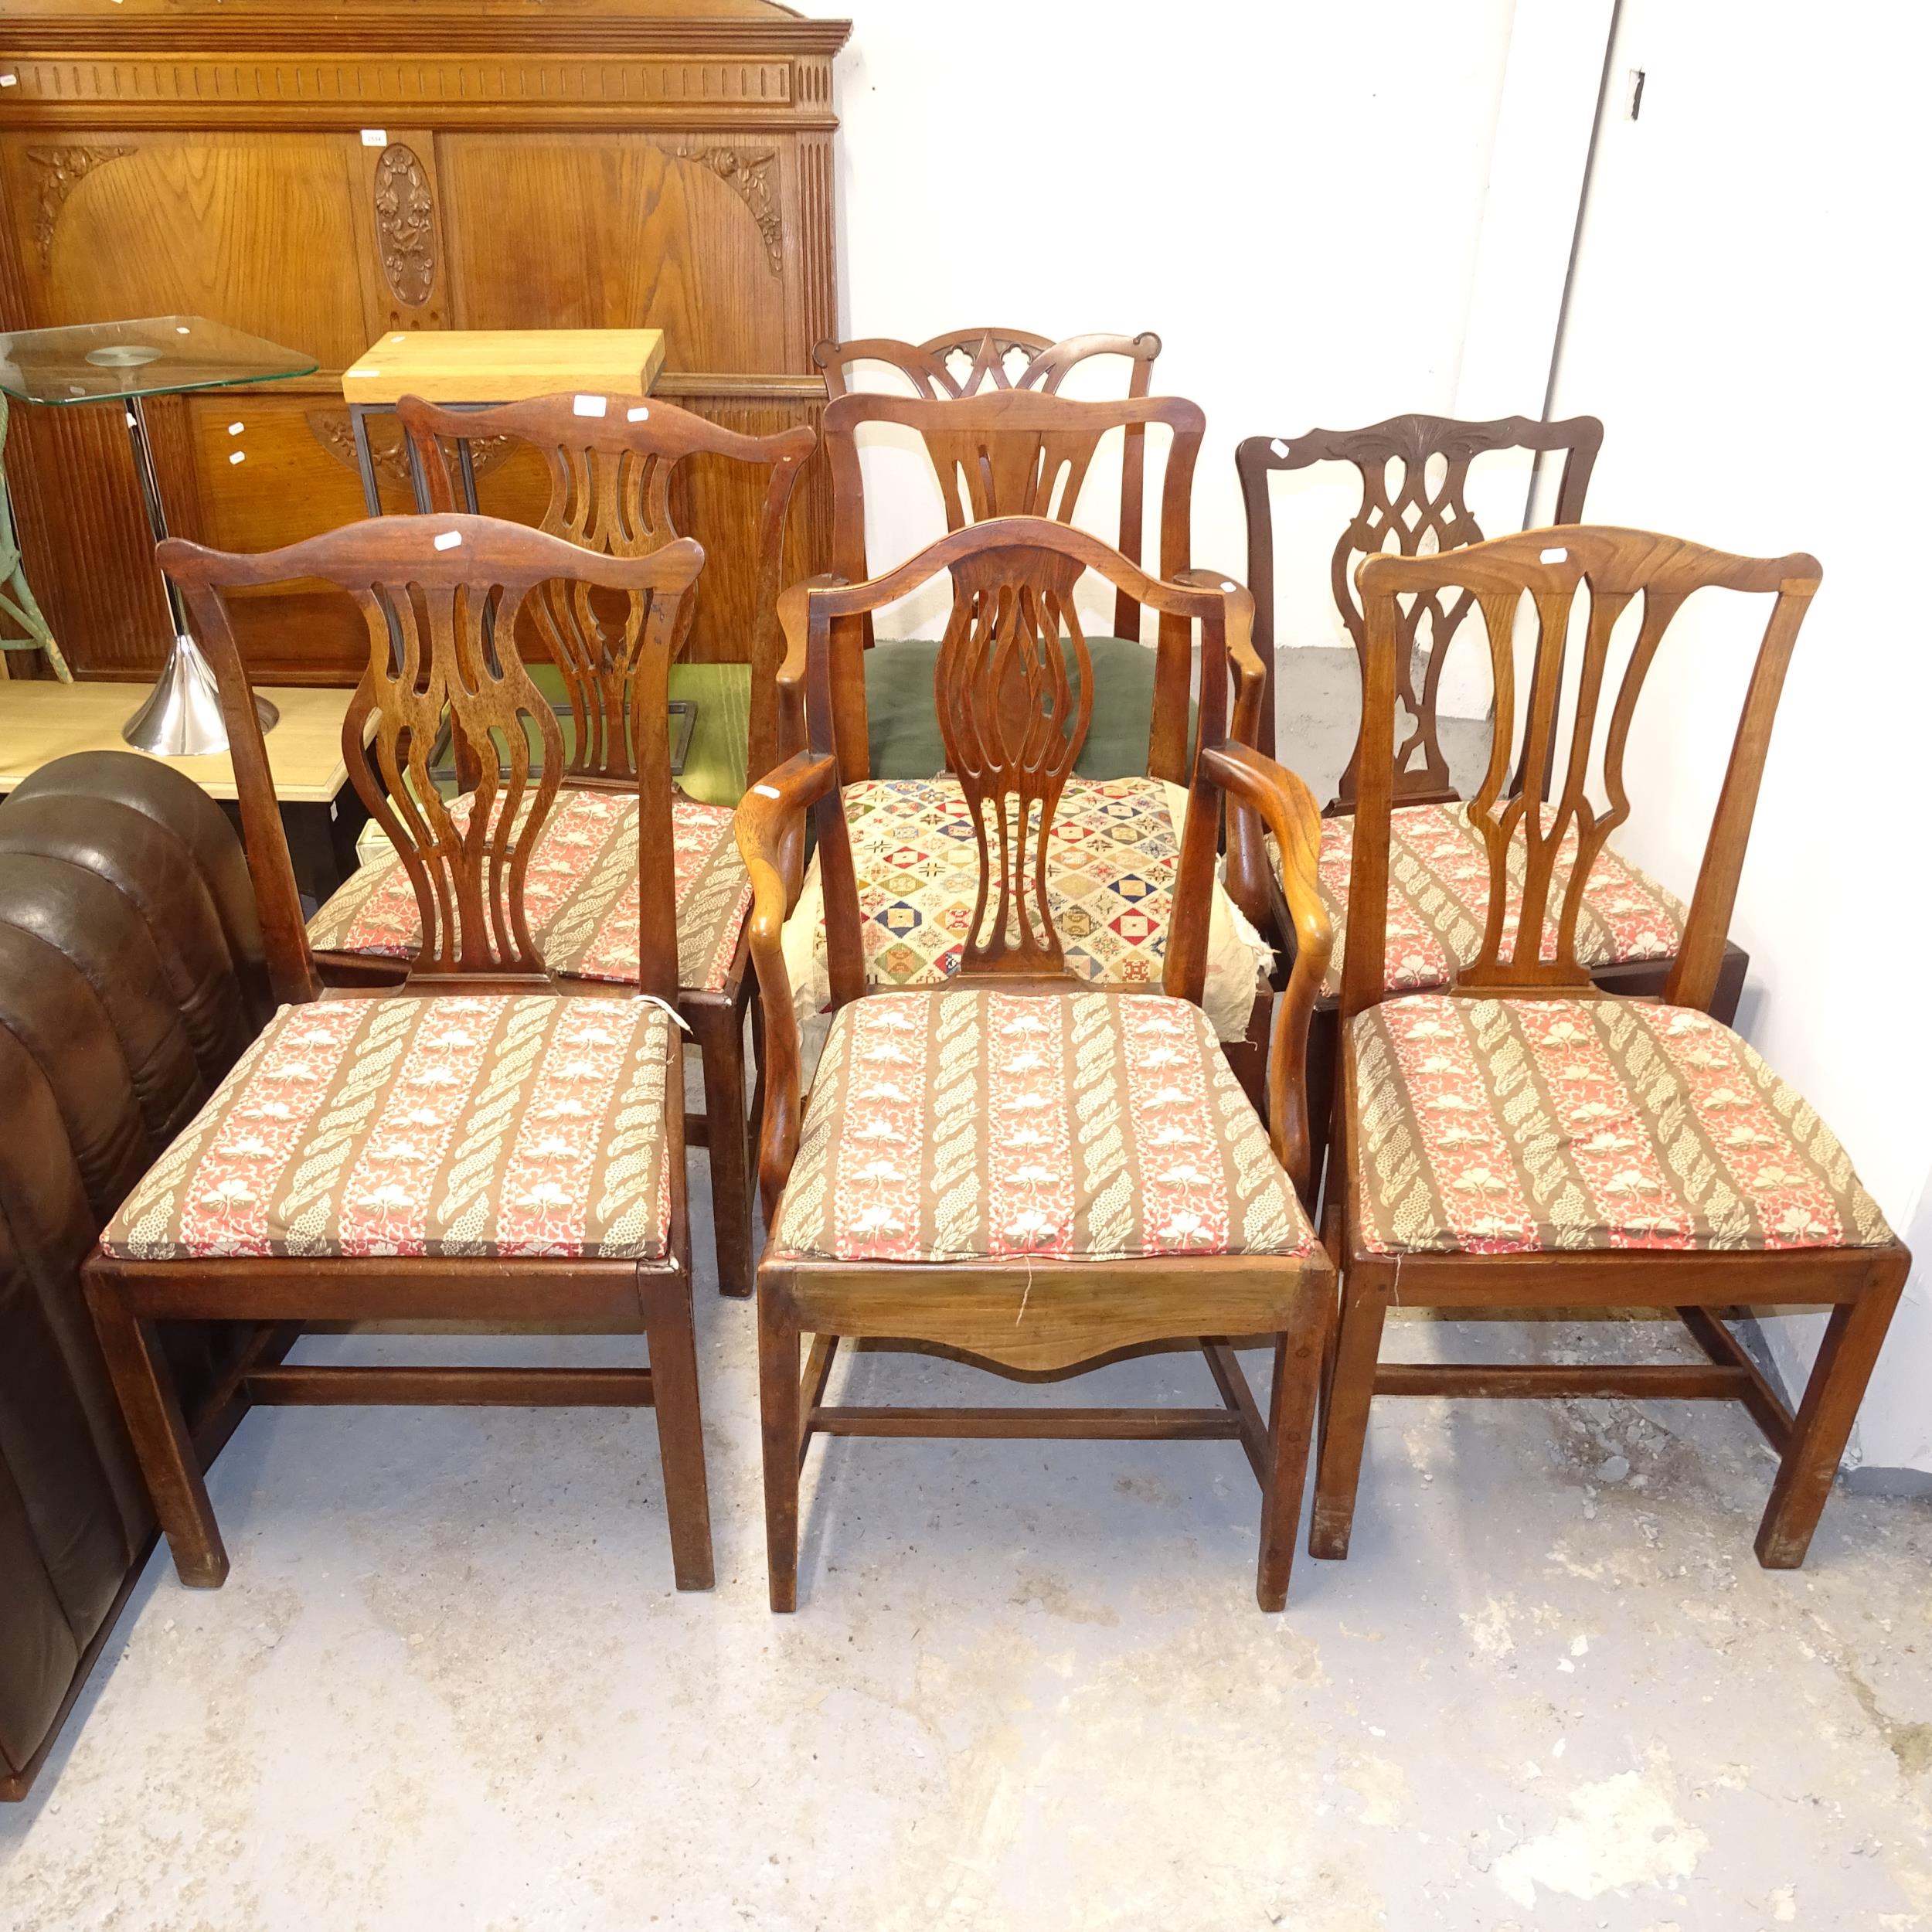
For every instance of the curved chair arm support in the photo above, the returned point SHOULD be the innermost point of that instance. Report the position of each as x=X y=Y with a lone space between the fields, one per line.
x=790 y=681
x=1247 y=856
x=770 y=742
x=770 y=825
x=1288 y=807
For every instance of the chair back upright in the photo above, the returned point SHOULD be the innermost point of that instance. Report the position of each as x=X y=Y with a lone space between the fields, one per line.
x=615 y=469
x=1014 y=452
x=1522 y=952
x=1402 y=508
x=435 y=593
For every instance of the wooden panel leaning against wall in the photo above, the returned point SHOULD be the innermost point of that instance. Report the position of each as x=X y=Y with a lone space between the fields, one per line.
x=548 y=164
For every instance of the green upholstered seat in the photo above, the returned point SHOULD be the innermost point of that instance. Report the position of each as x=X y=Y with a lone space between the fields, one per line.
x=903 y=728
x=714 y=767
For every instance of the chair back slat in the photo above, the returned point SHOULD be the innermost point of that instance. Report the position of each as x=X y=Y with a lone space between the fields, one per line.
x=1012 y=732
x=1401 y=509
x=1533 y=581
x=440 y=596
x=615 y=467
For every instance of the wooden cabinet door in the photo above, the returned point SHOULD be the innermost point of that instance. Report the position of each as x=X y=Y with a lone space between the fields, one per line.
x=276 y=234
x=261 y=231
x=604 y=230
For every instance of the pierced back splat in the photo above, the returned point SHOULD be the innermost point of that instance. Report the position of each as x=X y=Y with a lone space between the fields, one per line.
x=615 y=488
x=437 y=594
x=1407 y=515
x=1003 y=689
x=1012 y=732
x=468 y=874
x=1620 y=567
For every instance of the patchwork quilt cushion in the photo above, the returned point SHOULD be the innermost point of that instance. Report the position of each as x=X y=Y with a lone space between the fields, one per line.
x=580 y=893
x=1504 y=1126
x=1439 y=899
x=491 y=1124
x=1111 y=860
x=972 y=1125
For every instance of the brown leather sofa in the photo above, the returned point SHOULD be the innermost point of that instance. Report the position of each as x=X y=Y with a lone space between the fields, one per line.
x=130 y=977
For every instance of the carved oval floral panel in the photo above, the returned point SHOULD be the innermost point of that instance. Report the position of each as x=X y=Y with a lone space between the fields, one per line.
x=406 y=224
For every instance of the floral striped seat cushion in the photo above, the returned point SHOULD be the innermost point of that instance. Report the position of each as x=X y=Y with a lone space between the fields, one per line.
x=1439 y=899
x=482 y=1125
x=1111 y=860
x=1502 y=1126
x=580 y=893
x=971 y=1125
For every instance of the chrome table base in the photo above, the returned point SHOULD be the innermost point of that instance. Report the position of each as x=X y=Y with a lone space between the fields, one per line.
x=181 y=717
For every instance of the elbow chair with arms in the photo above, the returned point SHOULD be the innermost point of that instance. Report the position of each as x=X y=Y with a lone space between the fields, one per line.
x=1112 y=856
x=1015 y=1165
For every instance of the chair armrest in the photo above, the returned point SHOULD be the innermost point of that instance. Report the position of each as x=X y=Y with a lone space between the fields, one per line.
x=1288 y=807
x=770 y=826
x=1247 y=857
x=790 y=681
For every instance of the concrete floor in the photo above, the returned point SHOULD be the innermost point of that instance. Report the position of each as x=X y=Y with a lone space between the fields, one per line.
x=449 y=1683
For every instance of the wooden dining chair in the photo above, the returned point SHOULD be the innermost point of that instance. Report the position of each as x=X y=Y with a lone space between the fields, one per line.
x=984 y=361
x=1414 y=473
x=1111 y=862
x=487 y=1143
x=613 y=464
x=1524 y=1140
x=1014 y=1165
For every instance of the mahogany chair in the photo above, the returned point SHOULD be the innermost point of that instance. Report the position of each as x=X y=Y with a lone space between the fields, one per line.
x=1015 y=453
x=1526 y=1141
x=1414 y=473
x=983 y=362
x=486 y=1143
x=613 y=464
x=1402 y=507
x=977 y=362
x=1014 y=1165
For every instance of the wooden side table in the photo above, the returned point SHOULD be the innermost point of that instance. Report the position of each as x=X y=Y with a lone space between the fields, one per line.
x=475 y=368
x=322 y=813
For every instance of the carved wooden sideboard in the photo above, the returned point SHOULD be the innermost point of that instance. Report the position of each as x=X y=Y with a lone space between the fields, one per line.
x=320 y=175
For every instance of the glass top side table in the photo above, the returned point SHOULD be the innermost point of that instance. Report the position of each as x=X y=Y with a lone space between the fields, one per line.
x=123 y=362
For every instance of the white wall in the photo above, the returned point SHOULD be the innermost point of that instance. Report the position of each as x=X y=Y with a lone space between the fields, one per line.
x=1747 y=319
x=1290 y=196
x=1297 y=198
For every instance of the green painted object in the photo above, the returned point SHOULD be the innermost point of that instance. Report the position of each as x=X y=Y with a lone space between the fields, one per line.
x=903 y=727
x=714 y=767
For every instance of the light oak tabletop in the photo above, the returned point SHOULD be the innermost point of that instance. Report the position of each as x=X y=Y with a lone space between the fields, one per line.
x=505 y=365
x=41 y=720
